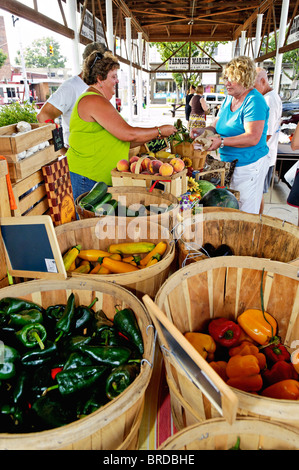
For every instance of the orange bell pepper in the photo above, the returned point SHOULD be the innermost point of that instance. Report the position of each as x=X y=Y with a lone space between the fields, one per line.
x=259 y=325
x=285 y=390
x=244 y=373
x=203 y=343
x=245 y=348
x=220 y=368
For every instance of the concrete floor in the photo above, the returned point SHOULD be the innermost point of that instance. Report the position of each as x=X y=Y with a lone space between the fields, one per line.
x=275 y=202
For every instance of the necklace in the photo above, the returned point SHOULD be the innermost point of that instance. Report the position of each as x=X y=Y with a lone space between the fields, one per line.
x=98 y=92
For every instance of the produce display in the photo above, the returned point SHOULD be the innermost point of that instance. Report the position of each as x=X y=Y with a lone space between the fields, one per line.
x=101 y=202
x=248 y=354
x=151 y=165
x=119 y=258
x=61 y=363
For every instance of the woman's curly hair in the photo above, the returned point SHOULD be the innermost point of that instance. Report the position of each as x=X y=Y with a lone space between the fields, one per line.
x=98 y=65
x=241 y=70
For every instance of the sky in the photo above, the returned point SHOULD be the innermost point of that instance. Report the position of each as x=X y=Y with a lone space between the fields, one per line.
x=26 y=31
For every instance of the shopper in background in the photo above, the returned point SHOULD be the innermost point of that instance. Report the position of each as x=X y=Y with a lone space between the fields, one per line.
x=241 y=128
x=189 y=96
x=61 y=102
x=293 y=198
x=273 y=100
x=199 y=108
x=99 y=136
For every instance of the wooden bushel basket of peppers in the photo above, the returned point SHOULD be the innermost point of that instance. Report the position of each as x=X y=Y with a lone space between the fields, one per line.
x=75 y=364
x=241 y=314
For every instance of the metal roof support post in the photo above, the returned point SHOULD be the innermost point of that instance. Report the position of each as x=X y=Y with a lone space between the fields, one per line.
x=109 y=33
x=148 y=96
x=281 y=38
x=140 y=84
x=259 y=22
x=129 y=52
x=72 y=6
x=243 y=38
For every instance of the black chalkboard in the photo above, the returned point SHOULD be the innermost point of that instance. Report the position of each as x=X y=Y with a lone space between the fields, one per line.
x=156 y=145
x=58 y=138
x=31 y=247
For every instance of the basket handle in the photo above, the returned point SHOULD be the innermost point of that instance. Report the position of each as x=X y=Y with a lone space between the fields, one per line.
x=138 y=164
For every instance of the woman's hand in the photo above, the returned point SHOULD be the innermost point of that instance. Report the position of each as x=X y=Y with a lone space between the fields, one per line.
x=216 y=142
x=167 y=130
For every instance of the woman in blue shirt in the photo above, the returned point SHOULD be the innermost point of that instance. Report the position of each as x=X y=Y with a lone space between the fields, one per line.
x=241 y=132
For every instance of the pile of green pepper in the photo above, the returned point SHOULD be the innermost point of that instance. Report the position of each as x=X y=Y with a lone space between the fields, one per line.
x=61 y=363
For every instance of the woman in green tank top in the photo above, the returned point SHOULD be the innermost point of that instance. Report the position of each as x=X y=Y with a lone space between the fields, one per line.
x=99 y=136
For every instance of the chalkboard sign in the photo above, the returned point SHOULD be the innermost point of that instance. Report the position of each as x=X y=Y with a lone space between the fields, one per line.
x=193 y=365
x=58 y=138
x=156 y=145
x=31 y=247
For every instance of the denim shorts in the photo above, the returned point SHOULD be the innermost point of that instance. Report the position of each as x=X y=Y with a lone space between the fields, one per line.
x=80 y=184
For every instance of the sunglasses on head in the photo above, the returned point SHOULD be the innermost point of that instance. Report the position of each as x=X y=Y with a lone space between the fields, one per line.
x=98 y=56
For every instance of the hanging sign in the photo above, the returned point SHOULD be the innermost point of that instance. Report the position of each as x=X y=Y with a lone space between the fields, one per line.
x=294 y=31
x=88 y=27
x=196 y=63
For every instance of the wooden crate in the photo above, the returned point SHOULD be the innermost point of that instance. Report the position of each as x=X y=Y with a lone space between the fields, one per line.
x=31 y=196
x=186 y=149
x=11 y=146
x=175 y=184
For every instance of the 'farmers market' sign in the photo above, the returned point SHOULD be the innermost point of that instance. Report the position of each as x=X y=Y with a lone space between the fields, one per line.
x=196 y=63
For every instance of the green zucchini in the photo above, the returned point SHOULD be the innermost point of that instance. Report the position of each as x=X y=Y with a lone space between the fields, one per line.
x=94 y=196
x=106 y=208
x=101 y=202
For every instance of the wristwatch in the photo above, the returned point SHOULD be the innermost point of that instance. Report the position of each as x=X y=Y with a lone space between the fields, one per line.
x=222 y=143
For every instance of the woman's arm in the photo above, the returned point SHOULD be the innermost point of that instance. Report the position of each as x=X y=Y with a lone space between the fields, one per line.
x=251 y=136
x=295 y=139
x=204 y=105
x=96 y=108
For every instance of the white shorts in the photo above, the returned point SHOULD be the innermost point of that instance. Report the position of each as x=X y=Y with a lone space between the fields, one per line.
x=249 y=181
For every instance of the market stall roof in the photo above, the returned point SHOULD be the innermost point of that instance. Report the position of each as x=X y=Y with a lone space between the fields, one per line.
x=171 y=20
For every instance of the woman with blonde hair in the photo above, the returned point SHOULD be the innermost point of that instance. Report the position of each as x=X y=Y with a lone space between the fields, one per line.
x=241 y=128
x=99 y=136
x=199 y=108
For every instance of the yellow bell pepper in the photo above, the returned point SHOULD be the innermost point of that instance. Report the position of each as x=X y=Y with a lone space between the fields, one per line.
x=259 y=325
x=203 y=343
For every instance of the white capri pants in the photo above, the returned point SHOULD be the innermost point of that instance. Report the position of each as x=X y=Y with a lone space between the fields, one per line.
x=249 y=181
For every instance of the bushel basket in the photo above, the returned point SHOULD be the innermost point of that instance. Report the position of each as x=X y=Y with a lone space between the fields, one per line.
x=99 y=233
x=226 y=287
x=114 y=426
x=246 y=235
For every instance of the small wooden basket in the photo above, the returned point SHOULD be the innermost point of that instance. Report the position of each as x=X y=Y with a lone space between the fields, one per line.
x=114 y=426
x=217 y=434
x=99 y=233
x=130 y=196
x=225 y=287
x=246 y=234
x=186 y=149
x=175 y=184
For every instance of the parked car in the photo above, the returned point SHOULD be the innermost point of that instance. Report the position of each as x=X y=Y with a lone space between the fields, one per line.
x=290 y=107
x=214 y=98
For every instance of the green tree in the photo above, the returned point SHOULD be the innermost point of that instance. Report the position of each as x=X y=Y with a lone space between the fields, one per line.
x=3 y=58
x=38 y=54
x=290 y=58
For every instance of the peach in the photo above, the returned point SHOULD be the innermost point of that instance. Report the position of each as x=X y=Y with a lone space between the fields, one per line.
x=166 y=169
x=133 y=167
x=123 y=165
x=178 y=164
x=145 y=163
x=134 y=159
x=154 y=165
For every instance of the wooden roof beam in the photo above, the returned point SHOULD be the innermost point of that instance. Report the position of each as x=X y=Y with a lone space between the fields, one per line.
x=21 y=10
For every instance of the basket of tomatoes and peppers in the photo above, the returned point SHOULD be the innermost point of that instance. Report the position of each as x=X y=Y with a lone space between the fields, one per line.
x=248 y=354
x=62 y=363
